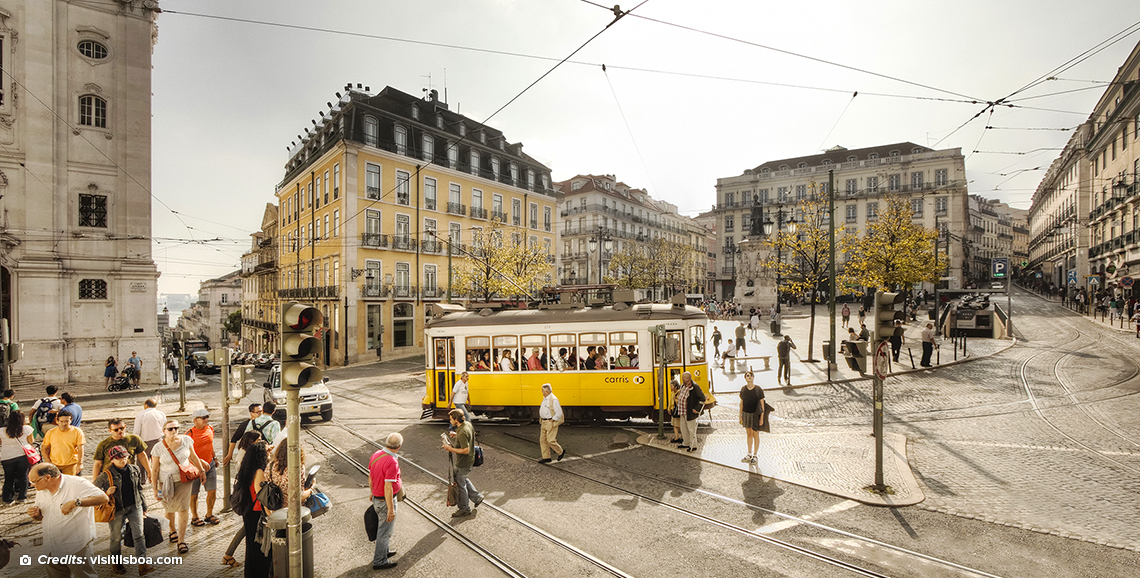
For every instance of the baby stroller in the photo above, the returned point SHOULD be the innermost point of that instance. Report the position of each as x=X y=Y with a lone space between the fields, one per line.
x=123 y=381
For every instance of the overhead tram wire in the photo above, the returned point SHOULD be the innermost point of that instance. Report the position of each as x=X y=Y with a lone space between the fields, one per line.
x=795 y=54
x=841 y=115
x=627 y=127
x=556 y=59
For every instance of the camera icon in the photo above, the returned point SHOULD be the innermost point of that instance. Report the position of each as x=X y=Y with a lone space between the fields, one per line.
x=25 y=560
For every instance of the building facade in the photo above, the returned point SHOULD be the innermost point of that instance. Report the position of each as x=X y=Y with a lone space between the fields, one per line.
x=932 y=181
x=597 y=210
x=378 y=204
x=77 y=278
x=1058 y=217
x=260 y=307
x=709 y=221
x=991 y=237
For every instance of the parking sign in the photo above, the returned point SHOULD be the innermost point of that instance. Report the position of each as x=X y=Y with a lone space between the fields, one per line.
x=999 y=266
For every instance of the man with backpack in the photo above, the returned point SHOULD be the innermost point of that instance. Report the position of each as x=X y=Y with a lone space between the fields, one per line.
x=42 y=415
x=8 y=406
x=265 y=424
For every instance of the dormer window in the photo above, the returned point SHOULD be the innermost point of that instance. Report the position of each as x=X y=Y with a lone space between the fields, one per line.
x=502 y=144
x=415 y=112
x=765 y=171
x=915 y=151
x=851 y=159
x=873 y=156
x=462 y=129
x=439 y=121
x=482 y=137
x=783 y=167
x=826 y=162
x=894 y=153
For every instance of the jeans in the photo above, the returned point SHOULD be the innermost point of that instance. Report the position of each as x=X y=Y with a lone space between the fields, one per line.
x=134 y=514
x=383 y=530
x=15 y=479
x=467 y=490
x=927 y=351
x=689 y=432
x=784 y=370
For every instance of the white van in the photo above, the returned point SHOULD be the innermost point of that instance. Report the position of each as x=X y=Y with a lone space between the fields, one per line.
x=315 y=399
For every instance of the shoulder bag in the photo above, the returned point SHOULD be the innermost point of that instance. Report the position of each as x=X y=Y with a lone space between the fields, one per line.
x=32 y=454
x=105 y=512
x=270 y=496
x=186 y=471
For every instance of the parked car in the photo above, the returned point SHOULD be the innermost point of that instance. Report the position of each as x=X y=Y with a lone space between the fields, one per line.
x=315 y=399
x=205 y=366
x=267 y=361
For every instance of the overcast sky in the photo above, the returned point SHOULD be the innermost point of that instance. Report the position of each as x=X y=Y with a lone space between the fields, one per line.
x=675 y=109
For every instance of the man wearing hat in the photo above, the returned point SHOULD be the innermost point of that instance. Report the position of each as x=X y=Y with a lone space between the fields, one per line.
x=203 y=436
x=119 y=438
x=549 y=417
x=123 y=481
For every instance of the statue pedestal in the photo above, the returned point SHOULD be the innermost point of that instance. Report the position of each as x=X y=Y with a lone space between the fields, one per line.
x=755 y=284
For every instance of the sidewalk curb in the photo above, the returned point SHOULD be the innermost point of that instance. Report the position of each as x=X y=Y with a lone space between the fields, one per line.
x=104 y=395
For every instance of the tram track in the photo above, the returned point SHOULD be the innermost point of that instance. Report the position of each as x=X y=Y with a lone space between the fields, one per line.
x=507 y=568
x=1082 y=407
x=751 y=534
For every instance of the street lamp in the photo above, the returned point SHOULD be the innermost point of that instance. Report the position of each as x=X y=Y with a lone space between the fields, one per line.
x=607 y=244
x=791 y=222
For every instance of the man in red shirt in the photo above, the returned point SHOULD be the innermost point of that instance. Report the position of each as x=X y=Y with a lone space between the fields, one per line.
x=203 y=436
x=384 y=478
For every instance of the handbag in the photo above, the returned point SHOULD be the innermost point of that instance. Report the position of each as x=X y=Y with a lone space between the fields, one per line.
x=186 y=471
x=152 y=533
x=270 y=496
x=371 y=522
x=452 y=494
x=318 y=503
x=33 y=455
x=105 y=512
x=478 y=456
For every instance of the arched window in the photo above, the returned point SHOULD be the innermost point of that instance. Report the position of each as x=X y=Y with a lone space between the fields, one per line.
x=514 y=173
x=401 y=137
x=495 y=167
x=428 y=150
x=92 y=111
x=371 y=131
x=475 y=160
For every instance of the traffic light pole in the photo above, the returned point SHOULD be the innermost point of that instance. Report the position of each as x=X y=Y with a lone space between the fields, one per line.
x=877 y=395
x=831 y=243
x=182 y=377
x=293 y=527
x=226 y=429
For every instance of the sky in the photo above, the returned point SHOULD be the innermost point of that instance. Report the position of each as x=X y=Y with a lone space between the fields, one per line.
x=691 y=91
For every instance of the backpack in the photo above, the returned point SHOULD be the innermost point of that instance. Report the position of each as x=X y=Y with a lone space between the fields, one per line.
x=5 y=411
x=43 y=410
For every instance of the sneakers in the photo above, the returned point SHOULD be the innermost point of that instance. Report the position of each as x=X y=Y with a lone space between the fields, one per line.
x=752 y=460
x=385 y=566
x=745 y=459
x=460 y=513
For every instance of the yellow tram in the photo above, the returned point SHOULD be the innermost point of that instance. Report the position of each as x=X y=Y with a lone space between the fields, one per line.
x=600 y=360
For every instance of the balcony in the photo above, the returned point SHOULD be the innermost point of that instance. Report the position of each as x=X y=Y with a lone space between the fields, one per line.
x=404 y=291
x=431 y=293
x=499 y=216
x=431 y=246
x=374 y=240
x=478 y=213
x=403 y=199
x=429 y=204
x=325 y=292
x=376 y=290
x=534 y=223
x=403 y=243
x=266 y=266
x=457 y=209
x=372 y=192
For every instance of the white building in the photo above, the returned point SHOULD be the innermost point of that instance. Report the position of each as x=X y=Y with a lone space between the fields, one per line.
x=78 y=279
x=932 y=181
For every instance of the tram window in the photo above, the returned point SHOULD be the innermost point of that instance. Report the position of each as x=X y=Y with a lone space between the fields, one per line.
x=624 y=346
x=592 y=353
x=564 y=353
x=444 y=356
x=673 y=341
x=534 y=353
x=697 y=344
x=506 y=353
x=479 y=353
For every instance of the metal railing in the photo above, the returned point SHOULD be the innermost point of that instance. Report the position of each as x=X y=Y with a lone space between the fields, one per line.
x=456 y=209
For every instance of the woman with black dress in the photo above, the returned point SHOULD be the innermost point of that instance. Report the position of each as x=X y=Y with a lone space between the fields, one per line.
x=751 y=415
x=249 y=478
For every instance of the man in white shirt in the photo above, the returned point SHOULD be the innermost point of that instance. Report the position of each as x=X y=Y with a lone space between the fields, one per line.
x=927 y=344
x=64 y=505
x=550 y=417
x=459 y=395
x=729 y=361
x=148 y=424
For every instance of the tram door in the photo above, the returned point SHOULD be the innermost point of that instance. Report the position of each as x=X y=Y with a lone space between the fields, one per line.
x=443 y=364
x=674 y=360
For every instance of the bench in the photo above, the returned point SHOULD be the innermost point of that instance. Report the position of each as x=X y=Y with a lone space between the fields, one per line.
x=766 y=358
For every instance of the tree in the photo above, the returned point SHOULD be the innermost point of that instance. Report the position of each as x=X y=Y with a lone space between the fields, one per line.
x=233 y=323
x=893 y=252
x=501 y=264
x=806 y=254
x=658 y=263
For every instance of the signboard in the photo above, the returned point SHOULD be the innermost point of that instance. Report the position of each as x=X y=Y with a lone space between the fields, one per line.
x=1126 y=281
x=1072 y=277
x=1024 y=264
x=882 y=359
x=966 y=319
x=1092 y=279
x=1038 y=275
x=1110 y=269
x=999 y=267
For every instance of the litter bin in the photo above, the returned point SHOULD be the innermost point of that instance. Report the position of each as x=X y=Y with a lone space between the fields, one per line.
x=278 y=523
x=827 y=351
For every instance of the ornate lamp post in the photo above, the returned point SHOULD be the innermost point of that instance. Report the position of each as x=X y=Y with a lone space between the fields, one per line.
x=607 y=244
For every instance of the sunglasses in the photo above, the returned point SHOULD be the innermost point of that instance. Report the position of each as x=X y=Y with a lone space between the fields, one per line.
x=118 y=428
x=175 y=428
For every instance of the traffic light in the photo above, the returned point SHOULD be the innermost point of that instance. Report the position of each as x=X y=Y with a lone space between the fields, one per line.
x=885 y=314
x=856 y=354
x=299 y=345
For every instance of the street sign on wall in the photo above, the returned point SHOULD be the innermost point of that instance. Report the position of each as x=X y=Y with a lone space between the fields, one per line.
x=1126 y=281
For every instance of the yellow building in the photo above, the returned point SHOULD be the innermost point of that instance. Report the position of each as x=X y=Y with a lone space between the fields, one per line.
x=371 y=199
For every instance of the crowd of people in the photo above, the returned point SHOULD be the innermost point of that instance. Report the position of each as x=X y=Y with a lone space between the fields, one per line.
x=536 y=359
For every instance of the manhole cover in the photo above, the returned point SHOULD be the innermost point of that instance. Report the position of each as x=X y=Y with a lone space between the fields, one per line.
x=814 y=467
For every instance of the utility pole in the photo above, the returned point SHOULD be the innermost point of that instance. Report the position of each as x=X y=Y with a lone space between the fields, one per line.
x=831 y=243
x=224 y=356
x=182 y=371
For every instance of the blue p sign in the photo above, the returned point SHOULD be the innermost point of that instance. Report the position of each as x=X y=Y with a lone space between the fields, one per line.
x=1000 y=267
